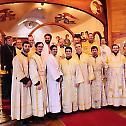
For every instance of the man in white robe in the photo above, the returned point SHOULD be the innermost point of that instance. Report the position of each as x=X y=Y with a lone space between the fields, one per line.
x=72 y=77
x=20 y=95
x=116 y=74
x=18 y=46
x=84 y=95
x=54 y=78
x=105 y=50
x=32 y=45
x=37 y=71
x=97 y=88
x=46 y=50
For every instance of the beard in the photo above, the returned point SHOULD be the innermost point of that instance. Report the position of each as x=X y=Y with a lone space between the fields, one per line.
x=47 y=41
x=115 y=53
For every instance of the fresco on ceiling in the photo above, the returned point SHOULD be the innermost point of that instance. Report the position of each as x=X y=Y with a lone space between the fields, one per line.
x=6 y=14
x=96 y=6
x=66 y=18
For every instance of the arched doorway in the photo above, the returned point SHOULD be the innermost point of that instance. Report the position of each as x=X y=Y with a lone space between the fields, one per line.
x=53 y=23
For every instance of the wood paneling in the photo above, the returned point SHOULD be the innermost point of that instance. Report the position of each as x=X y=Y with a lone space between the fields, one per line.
x=116 y=19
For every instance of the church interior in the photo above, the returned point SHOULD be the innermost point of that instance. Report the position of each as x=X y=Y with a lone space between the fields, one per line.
x=103 y=18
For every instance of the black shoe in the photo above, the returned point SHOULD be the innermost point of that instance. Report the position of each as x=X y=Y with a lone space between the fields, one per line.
x=38 y=119
x=54 y=116
x=22 y=122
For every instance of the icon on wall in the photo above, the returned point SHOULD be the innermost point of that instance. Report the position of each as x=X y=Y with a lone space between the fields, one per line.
x=66 y=18
x=6 y=14
x=96 y=7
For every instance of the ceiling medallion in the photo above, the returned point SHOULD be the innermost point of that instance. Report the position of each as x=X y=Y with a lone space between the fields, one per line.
x=30 y=24
x=96 y=7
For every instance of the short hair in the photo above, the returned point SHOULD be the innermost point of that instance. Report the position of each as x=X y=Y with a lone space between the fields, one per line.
x=25 y=42
x=77 y=36
x=86 y=32
x=68 y=47
x=115 y=45
x=8 y=37
x=52 y=46
x=78 y=43
x=48 y=35
x=37 y=43
x=30 y=35
x=94 y=47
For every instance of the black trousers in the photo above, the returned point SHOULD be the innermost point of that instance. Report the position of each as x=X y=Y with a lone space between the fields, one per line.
x=6 y=86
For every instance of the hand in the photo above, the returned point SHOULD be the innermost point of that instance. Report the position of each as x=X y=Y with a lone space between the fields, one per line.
x=77 y=85
x=39 y=87
x=28 y=84
x=90 y=81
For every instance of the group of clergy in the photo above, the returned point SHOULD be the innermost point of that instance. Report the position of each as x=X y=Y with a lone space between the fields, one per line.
x=53 y=78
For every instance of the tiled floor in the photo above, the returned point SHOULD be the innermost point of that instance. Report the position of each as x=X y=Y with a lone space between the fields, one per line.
x=121 y=111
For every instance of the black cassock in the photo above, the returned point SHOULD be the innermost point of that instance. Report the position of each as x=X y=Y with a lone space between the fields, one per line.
x=7 y=54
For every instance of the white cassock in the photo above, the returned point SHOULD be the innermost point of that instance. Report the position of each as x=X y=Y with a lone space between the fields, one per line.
x=97 y=86
x=20 y=96
x=84 y=96
x=71 y=75
x=116 y=86
x=105 y=52
x=46 y=51
x=53 y=73
x=37 y=71
x=61 y=52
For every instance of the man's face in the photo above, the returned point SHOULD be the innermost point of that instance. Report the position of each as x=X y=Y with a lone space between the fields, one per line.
x=103 y=42
x=9 y=41
x=68 y=53
x=26 y=48
x=19 y=43
x=76 y=40
x=91 y=38
x=115 y=49
x=31 y=41
x=47 y=39
x=78 y=48
x=54 y=51
x=61 y=42
x=94 y=52
x=39 y=48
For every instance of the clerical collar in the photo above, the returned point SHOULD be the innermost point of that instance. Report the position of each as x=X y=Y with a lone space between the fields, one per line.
x=38 y=53
x=68 y=58
x=19 y=48
x=91 y=42
x=79 y=55
x=26 y=55
x=95 y=56
x=62 y=46
x=115 y=53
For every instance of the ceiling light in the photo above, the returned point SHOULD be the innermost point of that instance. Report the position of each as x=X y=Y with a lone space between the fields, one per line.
x=39 y=22
x=22 y=22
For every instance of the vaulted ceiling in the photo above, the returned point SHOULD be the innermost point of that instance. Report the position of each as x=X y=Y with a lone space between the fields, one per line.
x=42 y=12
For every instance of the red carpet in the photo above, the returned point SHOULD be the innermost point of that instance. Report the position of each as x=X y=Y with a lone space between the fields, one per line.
x=6 y=106
x=94 y=118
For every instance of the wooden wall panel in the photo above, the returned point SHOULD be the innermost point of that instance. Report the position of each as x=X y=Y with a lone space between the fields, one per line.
x=116 y=19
